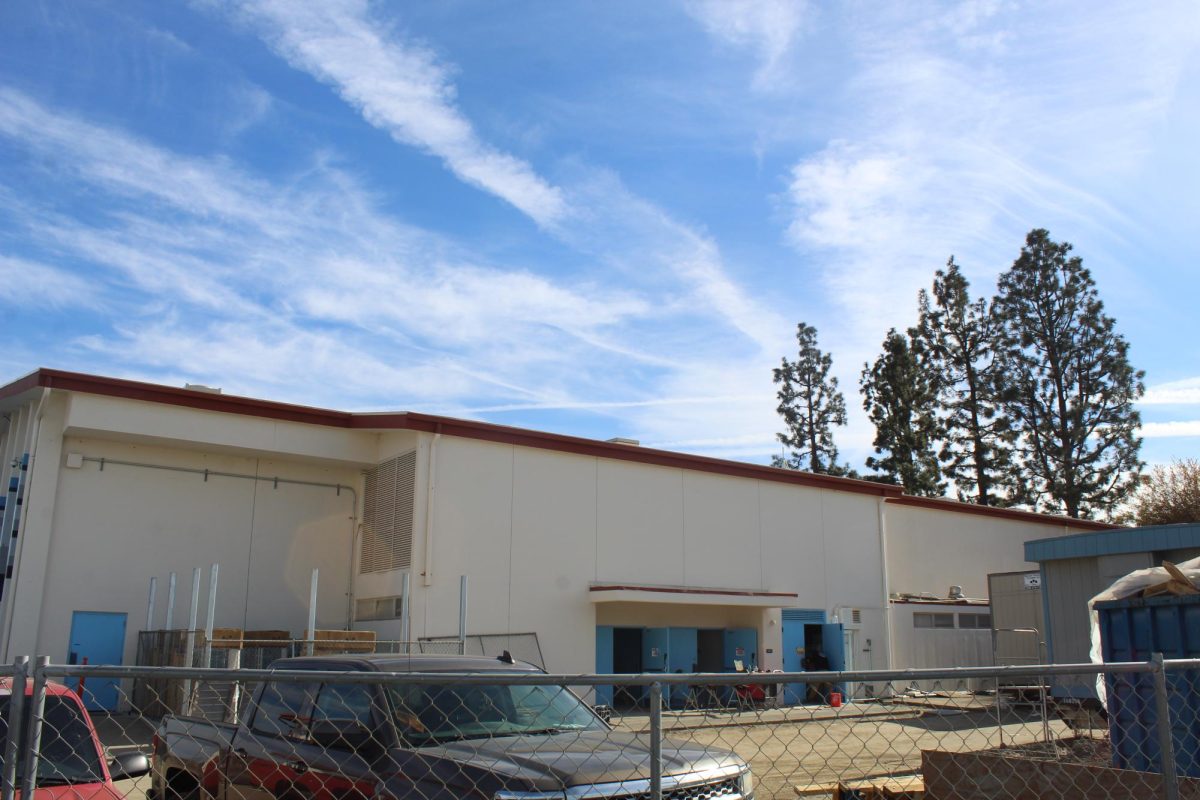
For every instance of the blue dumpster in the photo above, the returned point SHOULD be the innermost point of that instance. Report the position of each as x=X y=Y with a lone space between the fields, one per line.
x=1133 y=630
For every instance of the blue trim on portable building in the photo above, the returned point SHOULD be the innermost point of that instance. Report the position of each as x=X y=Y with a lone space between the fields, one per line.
x=1115 y=542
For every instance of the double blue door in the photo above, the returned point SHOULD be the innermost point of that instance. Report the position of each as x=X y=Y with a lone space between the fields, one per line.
x=98 y=637
x=674 y=650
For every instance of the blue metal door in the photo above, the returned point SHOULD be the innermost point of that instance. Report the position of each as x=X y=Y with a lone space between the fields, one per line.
x=682 y=651
x=604 y=662
x=656 y=646
x=833 y=644
x=794 y=620
x=99 y=637
x=741 y=644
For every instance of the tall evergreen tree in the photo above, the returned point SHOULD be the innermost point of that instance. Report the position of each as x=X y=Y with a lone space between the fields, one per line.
x=811 y=405
x=900 y=395
x=1067 y=383
x=959 y=337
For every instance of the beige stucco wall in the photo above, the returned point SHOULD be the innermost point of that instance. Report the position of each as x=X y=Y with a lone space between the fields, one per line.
x=930 y=550
x=92 y=538
x=533 y=528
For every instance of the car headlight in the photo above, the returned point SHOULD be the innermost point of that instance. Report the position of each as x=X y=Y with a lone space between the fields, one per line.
x=746 y=781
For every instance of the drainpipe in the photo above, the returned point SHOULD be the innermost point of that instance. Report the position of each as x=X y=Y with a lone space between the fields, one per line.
x=887 y=588
x=355 y=532
x=430 y=485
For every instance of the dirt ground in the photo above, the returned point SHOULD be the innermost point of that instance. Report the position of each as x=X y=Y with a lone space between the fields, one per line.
x=820 y=745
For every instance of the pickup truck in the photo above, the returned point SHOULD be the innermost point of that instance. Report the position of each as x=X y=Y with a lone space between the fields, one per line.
x=427 y=740
x=71 y=763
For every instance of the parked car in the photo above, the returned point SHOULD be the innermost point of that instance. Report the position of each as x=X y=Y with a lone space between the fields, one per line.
x=327 y=739
x=71 y=763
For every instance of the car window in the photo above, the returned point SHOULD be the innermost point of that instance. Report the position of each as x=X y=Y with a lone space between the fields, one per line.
x=68 y=752
x=346 y=701
x=282 y=708
x=432 y=712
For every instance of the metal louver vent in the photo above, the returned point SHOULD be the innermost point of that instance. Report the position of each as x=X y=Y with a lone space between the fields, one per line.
x=388 y=515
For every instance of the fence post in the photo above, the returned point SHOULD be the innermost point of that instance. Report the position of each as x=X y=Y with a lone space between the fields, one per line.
x=656 y=741
x=33 y=740
x=1166 y=743
x=16 y=710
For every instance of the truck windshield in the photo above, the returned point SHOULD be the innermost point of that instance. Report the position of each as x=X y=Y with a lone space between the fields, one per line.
x=438 y=713
x=68 y=751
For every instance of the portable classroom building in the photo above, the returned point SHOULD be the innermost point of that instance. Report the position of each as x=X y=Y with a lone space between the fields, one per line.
x=1076 y=568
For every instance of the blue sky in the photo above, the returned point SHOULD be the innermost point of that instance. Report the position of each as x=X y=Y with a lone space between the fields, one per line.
x=597 y=218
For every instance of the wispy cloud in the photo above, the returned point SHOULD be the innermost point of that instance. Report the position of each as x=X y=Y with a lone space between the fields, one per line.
x=399 y=86
x=214 y=249
x=302 y=289
x=768 y=27
x=1182 y=392
x=681 y=303
x=32 y=284
x=1162 y=430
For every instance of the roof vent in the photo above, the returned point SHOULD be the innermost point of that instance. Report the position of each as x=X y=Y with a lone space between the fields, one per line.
x=200 y=387
x=956 y=593
x=623 y=440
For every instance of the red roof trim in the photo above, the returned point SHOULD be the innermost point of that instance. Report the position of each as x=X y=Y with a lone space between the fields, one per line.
x=689 y=590
x=429 y=423
x=644 y=455
x=1003 y=513
x=169 y=395
x=483 y=431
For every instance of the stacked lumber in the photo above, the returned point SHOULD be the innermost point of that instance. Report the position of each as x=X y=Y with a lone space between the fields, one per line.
x=908 y=787
x=1177 y=584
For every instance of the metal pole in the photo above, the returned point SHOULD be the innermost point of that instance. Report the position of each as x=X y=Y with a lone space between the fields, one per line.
x=191 y=642
x=212 y=615
x=310 y=645
x=1045 y=710
x=33 y=742
x=235 y=697
x=16 y=713
x=150 y=604
x=999 y=718
x=405 y=583
x=462 y=613
x=170 y=603
x=656 y=765
x=1166 y=743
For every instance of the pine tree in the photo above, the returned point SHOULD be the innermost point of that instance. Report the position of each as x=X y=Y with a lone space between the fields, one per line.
x=1066 y=382
x=810 y=404
x=900 y=396
x=960 y=337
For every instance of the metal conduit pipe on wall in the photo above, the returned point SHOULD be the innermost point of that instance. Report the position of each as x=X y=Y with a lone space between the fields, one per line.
x=338 y=487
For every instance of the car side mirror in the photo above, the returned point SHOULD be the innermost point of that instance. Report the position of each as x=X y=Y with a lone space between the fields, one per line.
x=129 y=765
x=343 y=734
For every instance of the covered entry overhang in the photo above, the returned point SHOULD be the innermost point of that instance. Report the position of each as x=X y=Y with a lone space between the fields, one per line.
x=681 y=629
x=688 y=595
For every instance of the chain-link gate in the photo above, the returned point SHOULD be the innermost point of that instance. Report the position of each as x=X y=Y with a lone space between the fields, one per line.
x=436 y=727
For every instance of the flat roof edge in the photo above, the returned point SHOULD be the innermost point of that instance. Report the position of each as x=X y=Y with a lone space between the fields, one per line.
x=956 y=506
x=430 y=423
x=1114 y=542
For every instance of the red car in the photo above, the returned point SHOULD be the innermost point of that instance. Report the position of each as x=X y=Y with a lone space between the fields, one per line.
x=72 y=764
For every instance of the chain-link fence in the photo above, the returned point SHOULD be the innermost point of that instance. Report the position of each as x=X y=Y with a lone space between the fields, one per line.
x=430 y=727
